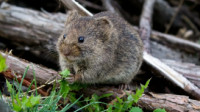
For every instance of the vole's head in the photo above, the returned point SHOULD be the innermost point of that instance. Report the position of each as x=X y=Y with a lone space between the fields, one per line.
x=83 y=36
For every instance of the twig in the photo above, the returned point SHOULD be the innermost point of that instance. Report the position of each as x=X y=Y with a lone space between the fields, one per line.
x=92 y=5
x=190 y=23
x=174 y=16
x=108 y=6
x=145 y=23
x=72 y=4
x=115 y=100
x=48 y=82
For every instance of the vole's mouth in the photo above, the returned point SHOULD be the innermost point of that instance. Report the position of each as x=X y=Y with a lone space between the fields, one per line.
x=72 y=58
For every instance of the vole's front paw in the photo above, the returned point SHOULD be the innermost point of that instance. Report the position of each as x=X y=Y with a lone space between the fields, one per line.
x=73 y=78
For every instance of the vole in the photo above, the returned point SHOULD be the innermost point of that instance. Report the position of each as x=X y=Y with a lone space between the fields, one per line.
x=101 y=49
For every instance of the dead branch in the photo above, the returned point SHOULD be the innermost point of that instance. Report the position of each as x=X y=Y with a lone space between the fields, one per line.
x=145 y=23
x=173 y=41
x=25 y=28
x=174 y=16
x=108 y=5
x=92 y=5
x=73 y=5
x=189 y=70
x=19 y=66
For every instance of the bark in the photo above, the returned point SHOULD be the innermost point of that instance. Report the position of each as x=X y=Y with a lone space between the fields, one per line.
x=34 y=31
x=189 y=70
x=176 y=42
x=18 y=66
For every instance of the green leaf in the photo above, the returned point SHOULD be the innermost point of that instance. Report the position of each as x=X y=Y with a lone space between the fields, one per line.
x=110 y=108
x=139 y=92
x=147 y=83
x=136 y=109
x=10 y=89
x=119 y=100
x=64 y=88
x=69 y=106
x=16 y=107
x=17 y=99
x=35 y=100
x=25 y=72
x=159 y=110
x=2 y=63
x=65 y=73
x=24 y=101
x=105 y=95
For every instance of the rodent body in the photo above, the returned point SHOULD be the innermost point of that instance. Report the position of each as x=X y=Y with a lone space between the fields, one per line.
x=100 y=49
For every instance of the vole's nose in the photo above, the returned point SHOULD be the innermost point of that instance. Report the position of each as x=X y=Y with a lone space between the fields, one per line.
x=67 y=52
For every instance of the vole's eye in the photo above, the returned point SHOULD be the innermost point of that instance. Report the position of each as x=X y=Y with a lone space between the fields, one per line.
x=64 y=36
x=81 y=39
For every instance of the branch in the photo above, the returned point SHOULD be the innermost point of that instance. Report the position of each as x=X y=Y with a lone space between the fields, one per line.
x=145 y=23
x=19 y=66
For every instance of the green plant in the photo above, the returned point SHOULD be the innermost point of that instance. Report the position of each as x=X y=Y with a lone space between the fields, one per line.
x=20 y=101
x=159 y=110
x=2 y=63
x=122 y=105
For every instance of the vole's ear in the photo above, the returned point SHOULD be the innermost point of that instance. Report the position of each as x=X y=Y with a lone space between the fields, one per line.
x=71 y=16
x=104 y=23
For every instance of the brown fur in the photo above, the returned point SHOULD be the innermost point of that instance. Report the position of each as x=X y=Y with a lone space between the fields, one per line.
x=111 y=52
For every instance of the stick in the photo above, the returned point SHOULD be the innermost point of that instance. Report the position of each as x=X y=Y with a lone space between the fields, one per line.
x=174 y=16
x=145 y=23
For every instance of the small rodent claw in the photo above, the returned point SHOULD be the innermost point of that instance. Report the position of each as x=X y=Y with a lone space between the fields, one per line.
x=124 y=87
x=71 y=78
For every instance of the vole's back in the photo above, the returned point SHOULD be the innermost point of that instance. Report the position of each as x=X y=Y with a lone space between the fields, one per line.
x=128 y=54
